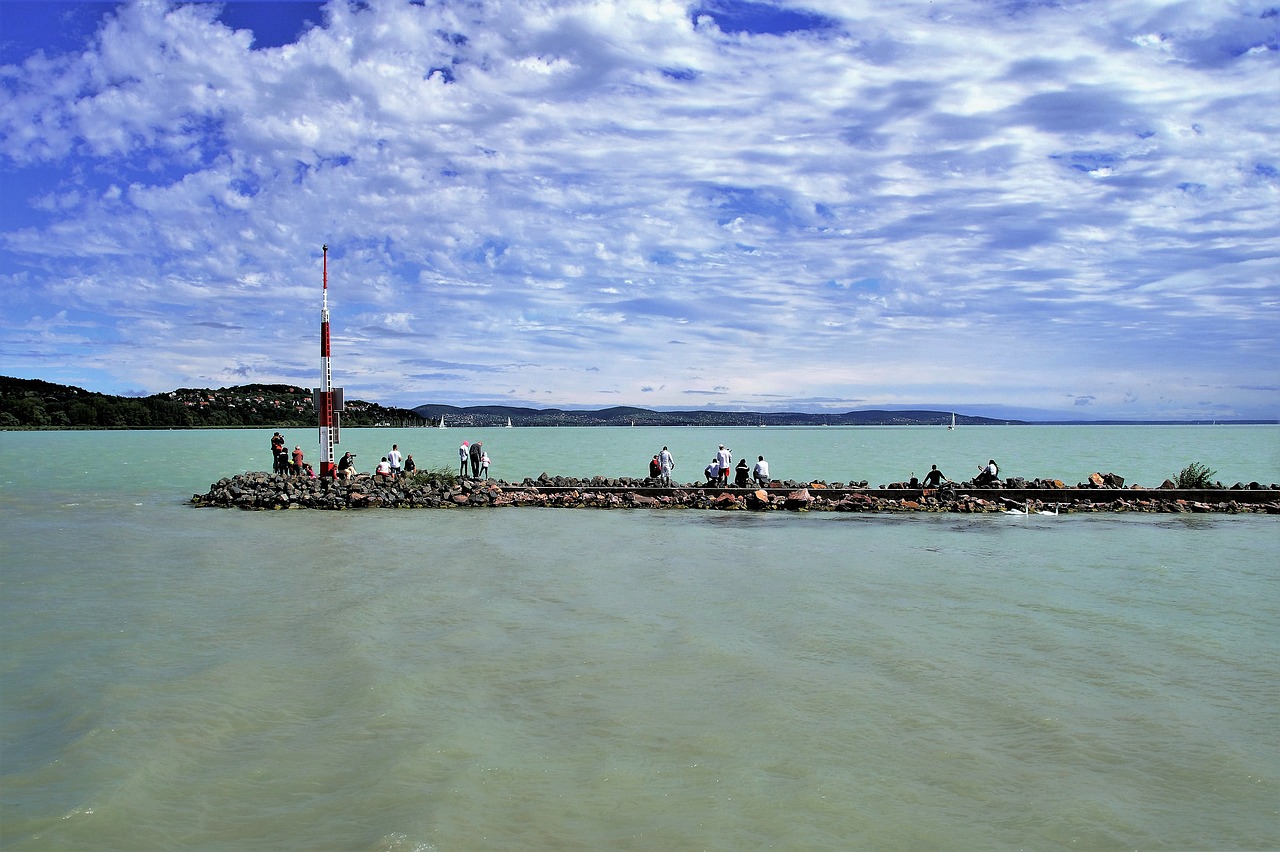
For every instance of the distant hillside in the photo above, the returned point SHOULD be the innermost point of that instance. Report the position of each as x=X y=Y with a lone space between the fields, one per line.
x=33 y=404
x=497 y=415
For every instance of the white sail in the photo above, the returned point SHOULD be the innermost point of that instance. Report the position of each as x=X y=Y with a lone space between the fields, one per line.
x=441 y=421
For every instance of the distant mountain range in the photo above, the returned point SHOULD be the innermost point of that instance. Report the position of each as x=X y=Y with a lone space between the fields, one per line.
x=499 y=415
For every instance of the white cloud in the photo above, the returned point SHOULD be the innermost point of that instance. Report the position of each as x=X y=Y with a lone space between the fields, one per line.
x=529 y=186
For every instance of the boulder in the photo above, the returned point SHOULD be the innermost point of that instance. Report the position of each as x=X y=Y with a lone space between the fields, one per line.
x=725 y=500
x=796 y=500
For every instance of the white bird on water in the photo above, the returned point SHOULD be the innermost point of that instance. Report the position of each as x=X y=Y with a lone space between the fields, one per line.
x=1027 y=510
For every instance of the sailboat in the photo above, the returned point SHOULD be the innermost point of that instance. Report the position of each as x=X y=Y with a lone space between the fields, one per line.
x=952 y=427
x=441 y=421
x=508 y=422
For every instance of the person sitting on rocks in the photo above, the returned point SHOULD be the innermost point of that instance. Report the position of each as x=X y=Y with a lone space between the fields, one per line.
x=712 y=472
x=655 y=468
x=383 y=470
x=761 y=472
x=347 y=466
x=741 y=474
x=988 y=474
x=934 y=478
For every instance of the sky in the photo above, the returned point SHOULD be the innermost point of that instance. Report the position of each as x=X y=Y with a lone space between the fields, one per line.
x=1022 y=208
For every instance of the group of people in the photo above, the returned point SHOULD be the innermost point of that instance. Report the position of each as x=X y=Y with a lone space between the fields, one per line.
x=988 y=474
x=472 y=456
x=475 y=456
x=393 y=465
x=285 y=463
x=717 y=473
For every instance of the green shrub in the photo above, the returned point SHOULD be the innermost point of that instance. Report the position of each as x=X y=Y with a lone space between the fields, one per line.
x=1196 y=475
x=423 y=477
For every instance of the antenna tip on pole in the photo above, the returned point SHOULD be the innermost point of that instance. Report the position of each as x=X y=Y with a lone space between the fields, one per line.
x=324 y=247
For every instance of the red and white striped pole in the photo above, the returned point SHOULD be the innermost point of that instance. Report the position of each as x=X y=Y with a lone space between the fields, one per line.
x=328 y=399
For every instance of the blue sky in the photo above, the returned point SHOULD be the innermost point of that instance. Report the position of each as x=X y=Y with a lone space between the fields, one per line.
x=1065 y=207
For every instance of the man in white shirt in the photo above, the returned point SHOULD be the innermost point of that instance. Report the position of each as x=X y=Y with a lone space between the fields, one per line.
x=666 y=463
x=761 y=473
x=724 y=458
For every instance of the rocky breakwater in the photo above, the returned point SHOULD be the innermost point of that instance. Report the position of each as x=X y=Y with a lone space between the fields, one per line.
x=270 y=491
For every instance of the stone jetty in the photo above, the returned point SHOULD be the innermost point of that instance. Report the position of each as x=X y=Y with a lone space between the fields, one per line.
x=1102 y=493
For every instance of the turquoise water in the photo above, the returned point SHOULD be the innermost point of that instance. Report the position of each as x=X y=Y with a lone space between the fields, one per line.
x=557 y=679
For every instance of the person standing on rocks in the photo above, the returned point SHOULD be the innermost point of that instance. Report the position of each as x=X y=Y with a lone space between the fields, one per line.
x=409 y=465
x=666 y=464
x=724 y=459
x=484 y=465
x=277 y=447
x=462 y=458
x=393 y=459
x=476 y=453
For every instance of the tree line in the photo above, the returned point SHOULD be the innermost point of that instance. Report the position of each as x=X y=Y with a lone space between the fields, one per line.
x=35 y=404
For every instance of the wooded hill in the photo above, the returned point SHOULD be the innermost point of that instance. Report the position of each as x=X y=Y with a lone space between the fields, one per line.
x=35 y=404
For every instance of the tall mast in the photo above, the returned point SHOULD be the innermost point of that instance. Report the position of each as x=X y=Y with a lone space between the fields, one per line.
x=328 y=399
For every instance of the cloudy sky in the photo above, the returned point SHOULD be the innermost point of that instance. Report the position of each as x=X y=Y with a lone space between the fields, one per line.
x=1068 y=207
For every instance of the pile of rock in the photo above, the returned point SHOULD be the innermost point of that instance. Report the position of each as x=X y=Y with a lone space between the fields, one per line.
x=272 y=491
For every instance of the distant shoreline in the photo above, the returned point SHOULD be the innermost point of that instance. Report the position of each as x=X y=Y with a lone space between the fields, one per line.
x=662 y=425
x=619 y=426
